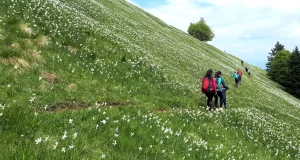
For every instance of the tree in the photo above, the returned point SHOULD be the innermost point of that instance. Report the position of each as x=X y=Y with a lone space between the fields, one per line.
x=294 y=72
x=201 y=31
x=279 y=71
x=274 y=51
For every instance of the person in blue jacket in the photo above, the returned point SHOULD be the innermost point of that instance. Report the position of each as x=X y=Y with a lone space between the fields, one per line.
x=216 y=97
x=221 y=90
x=236 y=79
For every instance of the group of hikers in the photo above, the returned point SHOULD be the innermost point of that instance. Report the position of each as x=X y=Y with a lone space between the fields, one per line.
x=246 y=68
x=215 y=88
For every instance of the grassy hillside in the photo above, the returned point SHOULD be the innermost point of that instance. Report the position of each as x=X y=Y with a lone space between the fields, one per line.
x=102 y=79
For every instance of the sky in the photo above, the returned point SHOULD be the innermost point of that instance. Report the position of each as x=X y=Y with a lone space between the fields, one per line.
x=247 y=29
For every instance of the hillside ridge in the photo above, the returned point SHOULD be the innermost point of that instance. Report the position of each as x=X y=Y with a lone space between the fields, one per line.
x=116 y=76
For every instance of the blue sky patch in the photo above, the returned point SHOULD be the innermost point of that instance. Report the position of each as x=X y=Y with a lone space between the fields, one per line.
x=204 y=4
x=150 y=3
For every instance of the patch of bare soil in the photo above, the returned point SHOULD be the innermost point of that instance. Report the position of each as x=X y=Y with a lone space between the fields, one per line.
x=51 y=78
x=160 y=110
x=116 y=104
x=68 y=105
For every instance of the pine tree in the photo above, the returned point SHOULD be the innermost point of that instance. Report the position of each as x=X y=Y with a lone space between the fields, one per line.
x=274 y=51
x=294 y=78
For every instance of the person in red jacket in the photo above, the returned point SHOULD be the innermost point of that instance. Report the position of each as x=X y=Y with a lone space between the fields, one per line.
x=209 y=88
x=240 y=73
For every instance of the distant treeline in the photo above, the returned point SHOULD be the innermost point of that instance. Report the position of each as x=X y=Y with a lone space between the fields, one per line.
x=284 y=68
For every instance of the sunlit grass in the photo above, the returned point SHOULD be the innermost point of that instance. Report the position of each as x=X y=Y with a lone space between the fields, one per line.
x=105 y=80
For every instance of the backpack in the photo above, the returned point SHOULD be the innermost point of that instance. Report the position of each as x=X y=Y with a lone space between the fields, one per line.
x=206 y=85
x=239 y=73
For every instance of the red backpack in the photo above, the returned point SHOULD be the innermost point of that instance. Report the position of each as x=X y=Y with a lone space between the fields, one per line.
x=206 y=85
x=239 y=73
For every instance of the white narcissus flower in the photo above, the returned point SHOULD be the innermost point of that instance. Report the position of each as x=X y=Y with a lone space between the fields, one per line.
x=63 y=149
x=39 y=140
x=103 y=156
x=55 y=145
x=32 y=99
x=46 y=138
x=64 y=136
x=70 y=121
x=114 y=143
x=74 y=135
x=71 y=146
x=104 y=121
x=140 y=148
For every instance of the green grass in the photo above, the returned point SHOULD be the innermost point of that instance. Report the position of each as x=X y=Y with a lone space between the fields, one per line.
x=127 y=86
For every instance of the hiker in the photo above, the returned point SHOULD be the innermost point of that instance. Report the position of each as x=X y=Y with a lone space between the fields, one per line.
x=216 y=96
x=209 y=88
x=246 y=68
x=242 y=62
x=221 y=90
x=249 y=72
x=240 y=73
x=236 y=79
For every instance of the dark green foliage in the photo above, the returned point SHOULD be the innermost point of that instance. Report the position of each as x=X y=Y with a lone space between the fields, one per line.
x=294 y=72
x=201 y=31
x=279 y=71
x=274 y=51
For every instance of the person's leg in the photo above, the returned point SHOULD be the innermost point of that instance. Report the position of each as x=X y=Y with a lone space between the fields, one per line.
x=236 y=82
x=224 y=99
x=216 y=100
x=209 y=100
x=220 y=94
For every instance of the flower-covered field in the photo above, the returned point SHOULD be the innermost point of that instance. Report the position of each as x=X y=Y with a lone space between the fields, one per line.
x=102 y=79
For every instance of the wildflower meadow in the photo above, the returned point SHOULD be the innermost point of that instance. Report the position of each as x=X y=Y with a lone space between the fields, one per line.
x=103 y=79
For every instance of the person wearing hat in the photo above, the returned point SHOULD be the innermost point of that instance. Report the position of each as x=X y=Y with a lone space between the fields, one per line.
x=221 y=90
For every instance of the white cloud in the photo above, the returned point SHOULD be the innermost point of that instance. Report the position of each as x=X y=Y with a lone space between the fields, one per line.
x=247 y=29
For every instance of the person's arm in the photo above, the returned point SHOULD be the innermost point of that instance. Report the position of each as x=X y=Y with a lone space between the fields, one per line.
x=223 y=84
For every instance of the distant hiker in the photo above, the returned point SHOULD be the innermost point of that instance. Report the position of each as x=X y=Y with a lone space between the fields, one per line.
x=221 y=90
x=209 y=87
x=242 y=62
x=240 y=73
x=246 y=68
x=236 y=79
x=249 y=72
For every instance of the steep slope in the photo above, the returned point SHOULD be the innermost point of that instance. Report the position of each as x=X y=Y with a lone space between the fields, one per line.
x=58 y=55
